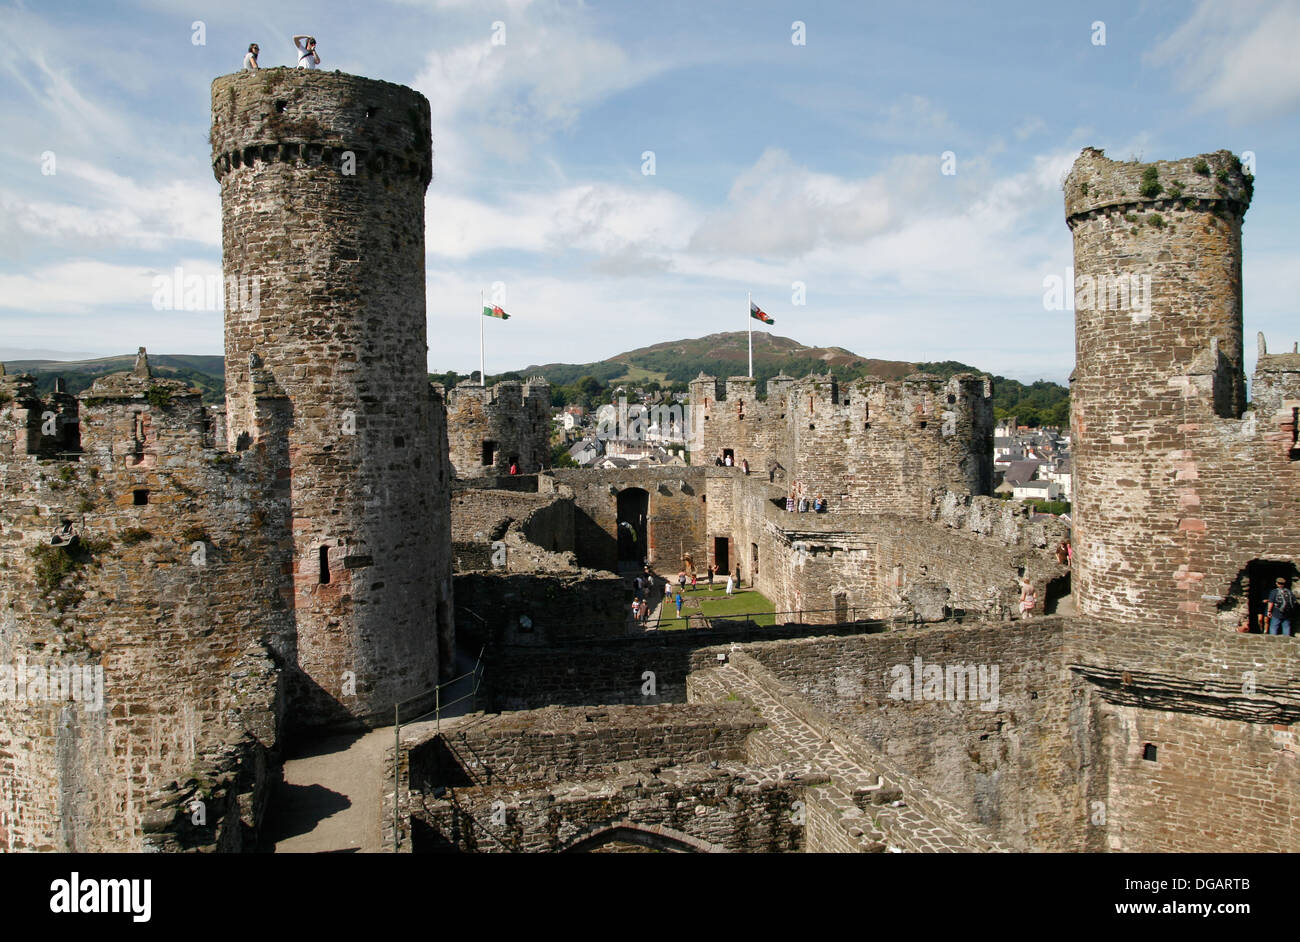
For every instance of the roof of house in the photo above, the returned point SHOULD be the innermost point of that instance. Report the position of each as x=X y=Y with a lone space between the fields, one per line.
x=1021 y=471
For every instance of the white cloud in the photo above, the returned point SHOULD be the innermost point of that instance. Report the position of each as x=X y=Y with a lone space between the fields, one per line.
x=779 y=209
x=603 y=219
x=98 y=205
x=506 y=99
x=85 y=285
x=1239 y=57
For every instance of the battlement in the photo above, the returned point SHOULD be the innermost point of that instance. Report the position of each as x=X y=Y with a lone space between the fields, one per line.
x=871 y=445
x=508 y=392
x=1209 y=182
x=491 y=428
x=1276 y=362
x=310 y=118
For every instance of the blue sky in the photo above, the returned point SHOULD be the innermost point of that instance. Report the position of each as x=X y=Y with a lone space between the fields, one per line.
x=775 y=163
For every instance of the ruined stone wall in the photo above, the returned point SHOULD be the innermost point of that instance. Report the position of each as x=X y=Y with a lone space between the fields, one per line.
x=34 y=425
x=963 y=559
x=1220 y=715
x=515 y=417
x=606 y=671
x=160 y=559
x=219 y=804
x=322 y=186
x=676 y=513
x=1014 y=768
x=869 y=447
x=481 y=517
x=1177 y=487
x=554 y=743
x=560 y=779
x=540 y=609
x=732 y=808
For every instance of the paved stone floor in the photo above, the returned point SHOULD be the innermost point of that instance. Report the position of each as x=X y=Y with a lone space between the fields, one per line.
x=329 y=801
x=332 y=795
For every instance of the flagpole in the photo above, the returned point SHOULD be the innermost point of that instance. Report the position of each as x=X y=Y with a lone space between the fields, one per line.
x=749 y=320
x=482 y=374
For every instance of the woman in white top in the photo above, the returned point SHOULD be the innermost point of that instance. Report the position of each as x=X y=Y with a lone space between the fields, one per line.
x=250 y=58
x=307 y=55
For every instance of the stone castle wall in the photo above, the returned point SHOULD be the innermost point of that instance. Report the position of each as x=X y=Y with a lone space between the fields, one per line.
x=159 y=558
x=1220 y=716
x=1012 y=768
x=322 y=187
x=1178 y=488
x=963 y=558
x=867 y=447
x=676 y=519
x=492 y=428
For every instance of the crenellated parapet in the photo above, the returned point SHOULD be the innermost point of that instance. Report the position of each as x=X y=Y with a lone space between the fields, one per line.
x=306 y=119
x=866 y=446
x=1209 y=182
x=491 y=428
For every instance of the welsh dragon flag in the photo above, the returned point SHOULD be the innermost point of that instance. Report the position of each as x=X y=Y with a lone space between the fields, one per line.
x=758 y=314
x=493 y=311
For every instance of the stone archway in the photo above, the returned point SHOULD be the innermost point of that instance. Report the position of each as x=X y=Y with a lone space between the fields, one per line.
x=652 y=836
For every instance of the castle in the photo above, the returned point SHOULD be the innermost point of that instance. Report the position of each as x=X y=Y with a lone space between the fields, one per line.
x=310 y=557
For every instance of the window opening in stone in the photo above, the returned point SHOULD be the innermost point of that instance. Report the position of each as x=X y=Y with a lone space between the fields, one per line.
x=140 y=497
x=489 y=453
x=324 y=565
x=1149 y=752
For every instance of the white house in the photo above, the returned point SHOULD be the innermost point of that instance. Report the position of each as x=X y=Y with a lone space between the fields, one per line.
x=1037 y=490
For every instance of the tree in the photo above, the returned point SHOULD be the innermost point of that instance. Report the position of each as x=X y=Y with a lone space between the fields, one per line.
x=560 y=457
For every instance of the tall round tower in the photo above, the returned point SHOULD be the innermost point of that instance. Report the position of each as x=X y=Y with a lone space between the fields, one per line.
x=323 y=177
x=1158 y=333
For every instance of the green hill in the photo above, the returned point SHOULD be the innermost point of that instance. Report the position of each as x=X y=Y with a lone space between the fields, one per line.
x=676 y=362
x=670 y=365
x=206 y=373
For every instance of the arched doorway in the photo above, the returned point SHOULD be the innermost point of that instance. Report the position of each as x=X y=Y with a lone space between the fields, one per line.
x=651 y=837
x=633 y=508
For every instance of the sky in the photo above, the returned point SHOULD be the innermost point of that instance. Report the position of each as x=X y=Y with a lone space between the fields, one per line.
x=798 y=143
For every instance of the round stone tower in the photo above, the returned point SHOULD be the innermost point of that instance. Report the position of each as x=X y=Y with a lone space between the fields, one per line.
x=1158 y=334
x=323 y=177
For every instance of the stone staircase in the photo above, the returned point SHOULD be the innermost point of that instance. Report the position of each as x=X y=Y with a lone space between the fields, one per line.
x=857 y=801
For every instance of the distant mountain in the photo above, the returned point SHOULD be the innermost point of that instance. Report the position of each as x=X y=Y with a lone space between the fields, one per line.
x=674 y=361
x=724 y=355
x=206 y=373
x=727 y=354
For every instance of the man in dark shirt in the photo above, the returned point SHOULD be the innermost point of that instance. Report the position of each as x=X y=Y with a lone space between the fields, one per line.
x=1281 y=606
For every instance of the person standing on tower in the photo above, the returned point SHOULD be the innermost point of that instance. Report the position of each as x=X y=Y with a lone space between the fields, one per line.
x=307 y=55
x=250 y=58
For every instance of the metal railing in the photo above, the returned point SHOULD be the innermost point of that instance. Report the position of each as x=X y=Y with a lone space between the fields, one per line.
x=438 y=707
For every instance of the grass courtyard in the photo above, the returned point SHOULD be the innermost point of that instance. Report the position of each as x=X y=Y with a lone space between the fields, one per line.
x=704 y=603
